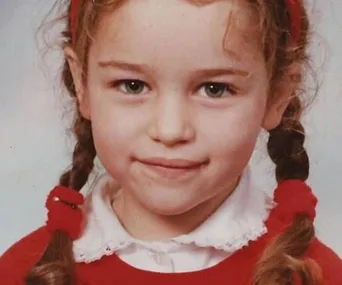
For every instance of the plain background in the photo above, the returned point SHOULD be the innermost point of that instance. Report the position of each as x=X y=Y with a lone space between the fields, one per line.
x=35 y=149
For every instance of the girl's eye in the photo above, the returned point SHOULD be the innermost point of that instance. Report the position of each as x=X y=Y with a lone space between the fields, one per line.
x=216 y=90
x=130 y=86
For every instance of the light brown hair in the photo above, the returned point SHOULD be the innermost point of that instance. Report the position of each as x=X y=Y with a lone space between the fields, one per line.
x=282 y=259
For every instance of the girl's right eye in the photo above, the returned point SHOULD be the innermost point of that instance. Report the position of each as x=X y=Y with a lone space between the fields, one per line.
x=132 y=87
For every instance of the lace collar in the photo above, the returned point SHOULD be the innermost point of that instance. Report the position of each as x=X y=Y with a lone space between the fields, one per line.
x=237 y=221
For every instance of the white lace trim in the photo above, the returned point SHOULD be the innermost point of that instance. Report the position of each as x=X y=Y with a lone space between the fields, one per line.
x=239 y=220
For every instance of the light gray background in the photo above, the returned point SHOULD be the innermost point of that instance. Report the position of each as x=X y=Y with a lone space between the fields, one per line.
x=34 y=148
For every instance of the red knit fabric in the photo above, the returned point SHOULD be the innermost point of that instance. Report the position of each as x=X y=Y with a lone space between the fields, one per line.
x=237 y=269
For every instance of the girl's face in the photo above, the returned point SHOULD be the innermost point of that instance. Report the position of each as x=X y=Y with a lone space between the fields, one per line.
x=176 y=99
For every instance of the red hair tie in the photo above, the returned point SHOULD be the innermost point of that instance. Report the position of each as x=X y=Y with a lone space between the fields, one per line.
x=295 y=16
x=294 y=197
x=293 y=6
x=64 y=213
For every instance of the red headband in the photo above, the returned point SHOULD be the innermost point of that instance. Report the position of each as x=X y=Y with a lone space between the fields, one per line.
x=295 y=15
x=293 y=6
x=75 y=6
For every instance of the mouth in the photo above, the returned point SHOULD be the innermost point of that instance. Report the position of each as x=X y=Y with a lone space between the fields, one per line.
x=172 y=168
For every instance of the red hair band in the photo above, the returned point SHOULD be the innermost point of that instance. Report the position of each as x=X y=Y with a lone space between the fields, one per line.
x=295 y=16
x=293 y=7
x=294 y=197
x=74 y=8
x=64 y=213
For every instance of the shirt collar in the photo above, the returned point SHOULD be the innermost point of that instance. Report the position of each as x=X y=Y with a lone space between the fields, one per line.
x=239 y=220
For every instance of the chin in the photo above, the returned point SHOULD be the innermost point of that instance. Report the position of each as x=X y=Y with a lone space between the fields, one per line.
x=170 y=207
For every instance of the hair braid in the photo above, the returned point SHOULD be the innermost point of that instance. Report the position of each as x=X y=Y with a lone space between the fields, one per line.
x=282 y=259
x=83 y=155
x=56 y=266
x=286 y=145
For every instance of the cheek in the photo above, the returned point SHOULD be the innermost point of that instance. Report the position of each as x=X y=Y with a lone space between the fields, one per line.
x=231 y=135
x=114 y=133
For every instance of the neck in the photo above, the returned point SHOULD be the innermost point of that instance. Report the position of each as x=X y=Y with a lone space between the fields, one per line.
x=151 y=226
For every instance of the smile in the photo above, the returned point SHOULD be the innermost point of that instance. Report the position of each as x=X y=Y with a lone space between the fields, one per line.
x=172 y=168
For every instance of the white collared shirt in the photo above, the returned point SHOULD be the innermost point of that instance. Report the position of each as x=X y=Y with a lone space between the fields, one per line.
x=239 y=220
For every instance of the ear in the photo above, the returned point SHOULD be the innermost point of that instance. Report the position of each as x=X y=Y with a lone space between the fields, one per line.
x=280 y=97
x=77 y=75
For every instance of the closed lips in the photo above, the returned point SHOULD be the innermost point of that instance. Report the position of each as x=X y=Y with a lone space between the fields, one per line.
x=172 y=163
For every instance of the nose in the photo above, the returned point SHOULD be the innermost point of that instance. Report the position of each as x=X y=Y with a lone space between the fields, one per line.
x=171 y=124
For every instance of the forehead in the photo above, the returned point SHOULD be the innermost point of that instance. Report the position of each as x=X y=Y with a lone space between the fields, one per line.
x=179 y=29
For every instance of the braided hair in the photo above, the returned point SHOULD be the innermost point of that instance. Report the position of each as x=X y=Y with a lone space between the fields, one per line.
x=282 y=260
x=56 y=265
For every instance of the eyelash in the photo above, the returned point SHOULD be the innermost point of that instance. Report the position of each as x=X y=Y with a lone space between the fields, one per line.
x=118 y=83
x=224 y=87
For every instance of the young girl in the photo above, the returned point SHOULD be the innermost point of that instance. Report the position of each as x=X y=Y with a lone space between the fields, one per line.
x=170 y=96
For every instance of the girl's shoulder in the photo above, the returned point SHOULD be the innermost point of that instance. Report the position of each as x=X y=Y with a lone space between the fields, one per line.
x=20 y=257
x=329 y=262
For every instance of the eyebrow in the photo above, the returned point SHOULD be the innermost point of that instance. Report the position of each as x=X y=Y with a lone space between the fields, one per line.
x=124 y=65
x=141 y=68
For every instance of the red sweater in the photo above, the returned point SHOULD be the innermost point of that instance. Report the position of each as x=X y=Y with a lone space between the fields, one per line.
x=237 y=269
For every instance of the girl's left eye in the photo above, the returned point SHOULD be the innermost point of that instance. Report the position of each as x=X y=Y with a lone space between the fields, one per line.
x=216 y=90
x=133 y=87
